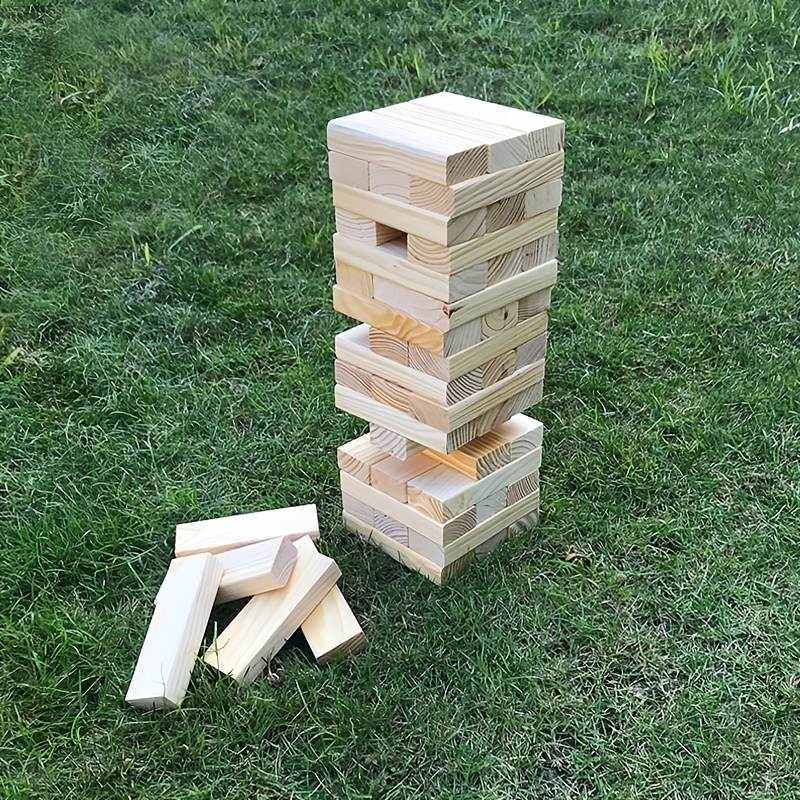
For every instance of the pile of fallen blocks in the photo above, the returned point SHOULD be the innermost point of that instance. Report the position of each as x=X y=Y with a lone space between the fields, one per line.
x=268 y=556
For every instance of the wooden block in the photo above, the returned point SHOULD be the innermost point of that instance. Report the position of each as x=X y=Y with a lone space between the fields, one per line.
x=397 y=216
x=348 y=170
x=506 y=212
x=358 y=457
x=462 y=337
x=407 y=557
x=362 y=229
x=491 y=505
x=443 y=493
x=390 y=527
x=388 y=346
x=353 y=377
x=426 y=548
x=414 y=304
x=501 y=319
x=456 y=257
x=413 y=518
x=440 y=157
x=477 y=458
x=262 y=627
x=331 y=629
x=392 y=394
x=523 y=487
x=391 y=475
x=392 y=443
x=525 y=523
x=507 y=147
x=543 y=198
x=227 y=533
x=507 y=266
x=358 y=508
x=257 y=568
x=173 y=638
x=530 y=352
x=500 y=367
x=539 y=251
x=523 y=433
x=533 y=304
x=487 y=189
x=353 y=279
x=545 y=135
x=388 y=182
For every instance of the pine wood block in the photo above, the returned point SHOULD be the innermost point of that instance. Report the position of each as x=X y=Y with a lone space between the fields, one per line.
x=391 y=527
x=525 y=523
x=501 y=319
x=440 y=532
x=261 y=567
x=533 y=304
x=393 y=443
x=523 y=433
x=507 y=147
x=485 y=190
x=353 y=377
x=354 y=280
x=176 y=629
x=543 y=198
x=262 y=627
x=391 y=394
x=491 y=505
x=398 y=216
x=348 y=170
x=530 y=352
x=528 y=257
x=499 y=368
x=523 y=487
x=415 y=304
x=358 y=457
x=539 y=251
x=354 y=226
x=505 y=212
x=477 y=458
x=391 y=475
x=388 y=182
x=545 y=135
x=443 y=493
x=454 y=258
x=227 y=533
x=426 y=548
x=406 y=556
x=443 y=158
x=331 y=629
x=388 y=346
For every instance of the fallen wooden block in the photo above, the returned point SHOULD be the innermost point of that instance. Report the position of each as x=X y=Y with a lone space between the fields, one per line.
x=262 y=627
x=331 y=629
x=175 y=633
x=228 y=533
x=257 y=568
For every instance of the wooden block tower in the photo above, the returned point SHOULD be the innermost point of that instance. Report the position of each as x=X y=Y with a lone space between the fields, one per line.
x=445 y=248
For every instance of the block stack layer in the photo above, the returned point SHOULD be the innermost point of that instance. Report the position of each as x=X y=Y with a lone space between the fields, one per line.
x=445 y=248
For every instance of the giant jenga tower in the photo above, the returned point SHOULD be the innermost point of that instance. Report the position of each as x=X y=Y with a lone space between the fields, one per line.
x=445 y=248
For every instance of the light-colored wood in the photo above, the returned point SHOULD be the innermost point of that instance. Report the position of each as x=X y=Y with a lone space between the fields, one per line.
x=175 y=633
x=477 y=458
x=390 y=393
x=257 y=568
x=523 y=433
x=505 y=212
x=407 y=557
x=487 y=189
x=461 y=256
x=413 y=518
x=358 y=457
x=525 y=523
x=391 y=475
x=445 y=231
x=393 y=443
x=388 y=182
x=358 y=508
x=500 y=319
x=530 y=352
x=352 y=377
x=528 y=257
x=523 y=487
x=391 y=527
x=462 y=337
x=543 y=198
x=348 y=170
x=443 y=493
x=353 y=279
x=538 y=251
x=362 y=229
x=491 y=505
x=499 y=368
x=331 y=629
x=545 y=134
x=227 y=533
x=507 y=147
x=406 y=147
x=426 y=548
x=534 y=303
x=262 y=627
x=388 y=346
x=414 y=304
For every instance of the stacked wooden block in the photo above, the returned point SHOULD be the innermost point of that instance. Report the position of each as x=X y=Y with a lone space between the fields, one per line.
x=268 y=556
x=445 y=248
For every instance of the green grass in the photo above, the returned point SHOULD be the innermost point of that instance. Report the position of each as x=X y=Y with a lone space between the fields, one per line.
x=166 y=349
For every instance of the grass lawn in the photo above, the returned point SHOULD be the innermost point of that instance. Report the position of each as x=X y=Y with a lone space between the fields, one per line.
x=166 y=353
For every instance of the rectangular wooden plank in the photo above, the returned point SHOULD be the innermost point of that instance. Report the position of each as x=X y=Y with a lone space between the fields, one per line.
x=393 y=443
x=412 y=303
x=353 y=377
x=387 y=346
x=348 y=170
x=395 y=215
x=523 y=487
x=227 y=533
x=505 y=212
x=483 y=191
x=358 y=456
x=391 y=527
x=543 y=198
x=491 y=505
x=355 y=280
x=165 y=662
x=523 y=433
x=391 y=475
x=444 y=158
x=533 y=304
x=331 y=629
x=499 y=319
x=362 y=229
x=426 y=548
x=388 y=182
x=477 y=458
x=531 y=351
x=260 y=567
x=358 y=508
x=262 y=627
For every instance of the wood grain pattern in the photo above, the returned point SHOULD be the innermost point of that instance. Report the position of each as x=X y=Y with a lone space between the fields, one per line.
x=387 y=346
x=391 y=527
x=390 y=393
x=523 y=487
x=358 y=508
x=530 y=352
x=353 y=279
x=391 y=475
x=542 y=198
x=543 y=249
x=523 y=433
x=477 y=458
x=358 y=457
x=534 y=303
x=353 y=377
x=331 y=629
x=393 y=443
x=499 y=368
x=388 y=182
x=500 y=319
x=354 y=226
x=261 y=567
x=505 y=212
x=349 y=171
x=414 y=304
x=491 y=505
